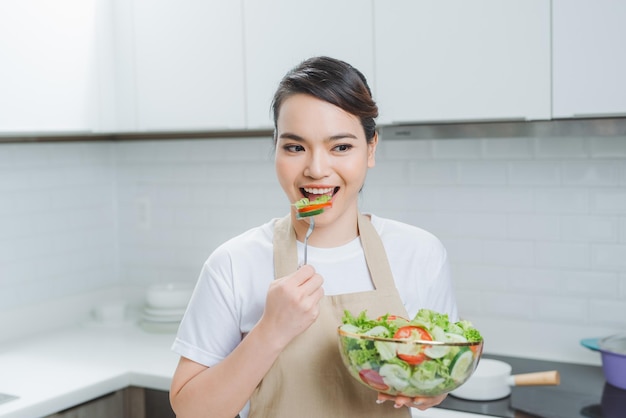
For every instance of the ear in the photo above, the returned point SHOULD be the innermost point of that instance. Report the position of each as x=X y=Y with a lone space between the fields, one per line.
x=371 y=151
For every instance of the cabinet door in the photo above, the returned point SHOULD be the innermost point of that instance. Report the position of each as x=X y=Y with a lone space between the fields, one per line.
x=188 y=62
x=458 y=60
x=279 y=34
x=110 y=405
x=48 y=71
x=589 y=63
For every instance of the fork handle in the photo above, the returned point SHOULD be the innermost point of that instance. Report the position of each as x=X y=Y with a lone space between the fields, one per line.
x=306 y=237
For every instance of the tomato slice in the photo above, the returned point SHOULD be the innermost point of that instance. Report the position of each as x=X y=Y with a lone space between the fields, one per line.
x=412 y=332
x=374 y=379
x=412 y=354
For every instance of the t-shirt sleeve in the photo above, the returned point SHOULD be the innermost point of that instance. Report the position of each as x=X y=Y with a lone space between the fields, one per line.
x=420 y=265
x=210 y=328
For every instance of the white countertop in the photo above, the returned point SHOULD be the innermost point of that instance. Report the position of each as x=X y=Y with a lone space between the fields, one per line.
x=56 y=371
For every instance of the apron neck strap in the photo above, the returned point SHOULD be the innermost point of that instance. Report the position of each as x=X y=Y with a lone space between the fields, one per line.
x=285 y=249
x=375 y=255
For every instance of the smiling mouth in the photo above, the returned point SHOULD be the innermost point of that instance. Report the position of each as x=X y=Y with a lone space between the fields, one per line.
x=312 y=193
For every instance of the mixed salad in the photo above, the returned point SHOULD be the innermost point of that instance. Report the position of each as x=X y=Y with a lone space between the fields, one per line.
x=439 y=354
x=306 y=208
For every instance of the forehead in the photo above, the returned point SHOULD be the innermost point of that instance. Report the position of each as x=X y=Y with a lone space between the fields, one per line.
x=302 y=112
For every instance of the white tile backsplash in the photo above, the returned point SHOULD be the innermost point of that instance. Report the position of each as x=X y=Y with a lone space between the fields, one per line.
x=427 y=173
x=607 y=147
x=534 y=173
x=57 y=229
x=561 y=200
x=561 y=309
x=563 y=255
x=457 y=149
x=595 y=173
x=507 y=148
x=535 y=227
x=561 y=148
x=589 y=228
x=608 y=201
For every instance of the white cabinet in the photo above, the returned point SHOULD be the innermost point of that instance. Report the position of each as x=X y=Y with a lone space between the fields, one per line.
x=187 y=65
x=281 y=33
x=589 y=63
x=458 y=60
x=49 y=72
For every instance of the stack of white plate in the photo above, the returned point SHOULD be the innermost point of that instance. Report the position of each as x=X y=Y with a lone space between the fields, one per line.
x=165 y=306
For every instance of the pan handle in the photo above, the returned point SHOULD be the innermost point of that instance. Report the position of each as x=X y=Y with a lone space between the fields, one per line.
x=549 y=378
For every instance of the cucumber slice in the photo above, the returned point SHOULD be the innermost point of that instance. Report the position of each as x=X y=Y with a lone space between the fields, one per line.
x=437 y=351
x=378 y=331
x=386 y=350
x=353 y=329
x=427 y=384
x=310 y=213
x=461 y=364
x=451 y=337
x=395 y=376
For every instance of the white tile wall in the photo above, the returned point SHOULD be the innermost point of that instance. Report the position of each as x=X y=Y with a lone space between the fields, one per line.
x=535 y=227
x=57 y=221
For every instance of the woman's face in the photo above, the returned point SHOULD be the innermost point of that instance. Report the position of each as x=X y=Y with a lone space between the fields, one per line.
x=321 y=149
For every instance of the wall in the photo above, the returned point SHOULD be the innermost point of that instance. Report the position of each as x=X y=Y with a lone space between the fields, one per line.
x=535 y=227
x=57 y=221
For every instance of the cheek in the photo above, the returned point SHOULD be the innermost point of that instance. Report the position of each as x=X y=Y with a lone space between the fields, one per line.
x=355 y=173
x=283 y=172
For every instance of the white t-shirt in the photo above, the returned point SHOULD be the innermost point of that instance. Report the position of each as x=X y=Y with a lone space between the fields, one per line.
x=230 y=293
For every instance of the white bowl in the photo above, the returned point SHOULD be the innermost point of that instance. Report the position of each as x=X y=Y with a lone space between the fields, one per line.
x=169 y=295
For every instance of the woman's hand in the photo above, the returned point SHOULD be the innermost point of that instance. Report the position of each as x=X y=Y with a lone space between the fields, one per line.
x=292 y=304
x=419 y=402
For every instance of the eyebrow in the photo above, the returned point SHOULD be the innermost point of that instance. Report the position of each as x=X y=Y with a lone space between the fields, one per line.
x=336 y=137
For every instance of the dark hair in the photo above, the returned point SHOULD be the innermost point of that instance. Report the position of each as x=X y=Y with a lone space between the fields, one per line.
x=335 y=82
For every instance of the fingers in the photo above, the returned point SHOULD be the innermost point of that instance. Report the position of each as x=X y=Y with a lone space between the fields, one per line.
x=419 y=402
x=304 y=280
x=301 y=275
x=292 y=303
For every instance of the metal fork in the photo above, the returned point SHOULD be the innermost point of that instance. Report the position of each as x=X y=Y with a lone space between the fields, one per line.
x=307 y=235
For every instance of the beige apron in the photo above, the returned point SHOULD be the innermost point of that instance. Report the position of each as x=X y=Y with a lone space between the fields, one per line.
x=309 y=380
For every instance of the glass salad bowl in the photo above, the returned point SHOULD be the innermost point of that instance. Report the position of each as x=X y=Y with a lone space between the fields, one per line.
x=408 y=365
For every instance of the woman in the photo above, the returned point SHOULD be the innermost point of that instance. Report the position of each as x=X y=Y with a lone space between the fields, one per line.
x=259 y=336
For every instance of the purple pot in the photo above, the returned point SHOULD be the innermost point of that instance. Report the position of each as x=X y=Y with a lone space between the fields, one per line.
x=613 y=351
x=613 y=402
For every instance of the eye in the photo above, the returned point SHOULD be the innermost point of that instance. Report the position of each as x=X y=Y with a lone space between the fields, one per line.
x=342 y=147
x=293 y=148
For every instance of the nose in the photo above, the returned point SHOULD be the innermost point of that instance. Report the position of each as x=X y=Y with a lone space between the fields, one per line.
x=318 y=165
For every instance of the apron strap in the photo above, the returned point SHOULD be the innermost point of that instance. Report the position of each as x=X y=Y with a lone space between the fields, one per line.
x=285 y=248
x=375 y=255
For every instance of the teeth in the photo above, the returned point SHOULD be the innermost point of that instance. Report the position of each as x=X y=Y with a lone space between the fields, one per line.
x=318 y=191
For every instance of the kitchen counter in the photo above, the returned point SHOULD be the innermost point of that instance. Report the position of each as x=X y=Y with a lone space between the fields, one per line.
x=52 y=372
x=55 y=371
